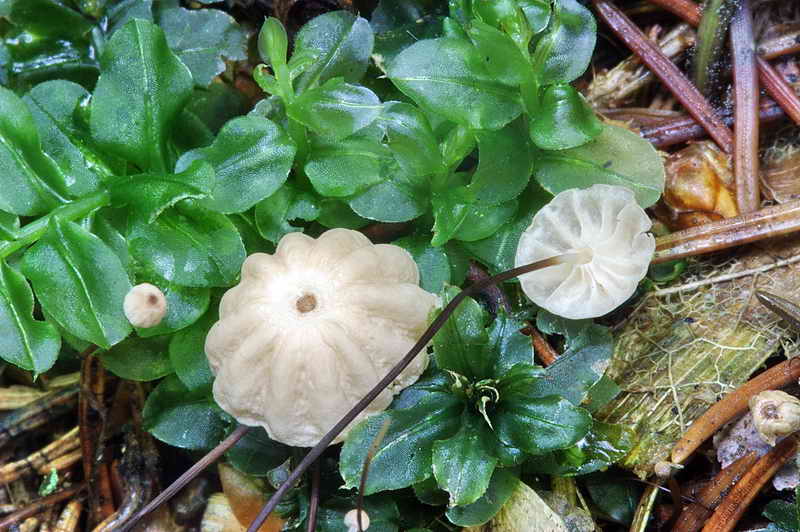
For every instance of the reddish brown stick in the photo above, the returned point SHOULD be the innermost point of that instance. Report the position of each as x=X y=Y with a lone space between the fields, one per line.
x=683 y=90
x=542 y=347
x=695 y=514
x=733 y=405
x=685 y=128
x=784 y=45
x=773 y=83
x=738 y=500
x=745 y=86
x=39 y=506
x=765 y=223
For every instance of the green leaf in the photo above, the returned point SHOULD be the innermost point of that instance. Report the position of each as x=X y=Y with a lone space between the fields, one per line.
x=500 y=489
x=54 y=106
x=347 y=167
x=616 y=157
x=460 y=344
x=256 y=454
x=448 y=76
x=138 y=359
x=187 y=353
x=400 y=23
x=580 y=367
x=149 y=195
x=564 y=119
x=185 y=305
x=615 y=498
x=50 y=18
x=9 y=225
x=504 y=166
x=201 y=38
x=537 y=13
x=497 y=252
x=463 y=465
x=411 y=139
x=342 y=44
x=189 y=246
x=25 y=342
x=139 y=96
x=273 y=42
x=502 y=57
x=428 y=492
x=405 y=455
x=604 y=445
x=564 y=52
x=121 y=12
x=181 y=417
x=433 y=262
x=481 y=221
x=536 y=424
x=27 y=172
x=288 y=203
x=79 y=281
x=335 y=213
x=507 y=345
x=251 y=157
x=449 y=212
x=336 y=109
x=399 y=198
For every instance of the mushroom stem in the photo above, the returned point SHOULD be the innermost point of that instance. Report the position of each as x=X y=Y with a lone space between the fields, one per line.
x=426 y=337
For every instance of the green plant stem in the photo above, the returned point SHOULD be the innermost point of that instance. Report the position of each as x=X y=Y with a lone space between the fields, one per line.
x=69 y=212
x=710 y=41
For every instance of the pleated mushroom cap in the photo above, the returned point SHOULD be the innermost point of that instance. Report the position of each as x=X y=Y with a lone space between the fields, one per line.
x=311 y=329
x=604 y=231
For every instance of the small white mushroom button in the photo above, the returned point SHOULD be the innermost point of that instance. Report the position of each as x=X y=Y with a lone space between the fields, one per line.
x=145 y=306
x=351 y=520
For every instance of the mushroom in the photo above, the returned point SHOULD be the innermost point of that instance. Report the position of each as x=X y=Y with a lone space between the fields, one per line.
x=310 y=329
x=599 y=236
x=145 y=306
x=351 y=520
x=775 y=414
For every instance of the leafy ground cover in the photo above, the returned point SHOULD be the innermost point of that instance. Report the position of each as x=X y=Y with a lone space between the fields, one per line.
x=154 y=141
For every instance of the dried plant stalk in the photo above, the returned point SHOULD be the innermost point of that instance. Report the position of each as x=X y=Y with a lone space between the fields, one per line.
x=13 y=397
x=42 y=460
x=765 y=223
x=788 y=43
x=732 y=405
x=667 y=72
x=773 y=83
x=745 y=78
x=695 y=514
x=736 y=502
x=70 y=517
x=37 y=413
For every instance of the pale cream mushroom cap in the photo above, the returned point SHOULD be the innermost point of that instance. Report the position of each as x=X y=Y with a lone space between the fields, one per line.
x=605 y=230
x=351 y=520
x=311 y=329
x=775 y=414
x=144 y=305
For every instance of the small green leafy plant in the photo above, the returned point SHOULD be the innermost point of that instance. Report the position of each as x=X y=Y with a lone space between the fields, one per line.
x=127 y=157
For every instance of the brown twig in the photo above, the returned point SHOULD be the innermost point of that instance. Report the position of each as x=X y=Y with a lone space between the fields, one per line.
x=39 y=505
x=780 y=306
x=788 y=43
x=190 y=473
x=542 y=347
x=766 y=223
x=736 y=502
x=696 y=513
x=683 y=90
x=732 y=405
x=745 y=89
x=313 y=505
x=43 y=458
x=91 y=421
x=69 y=517
x=37 y=413
x=773 y=83
x=673 y=131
